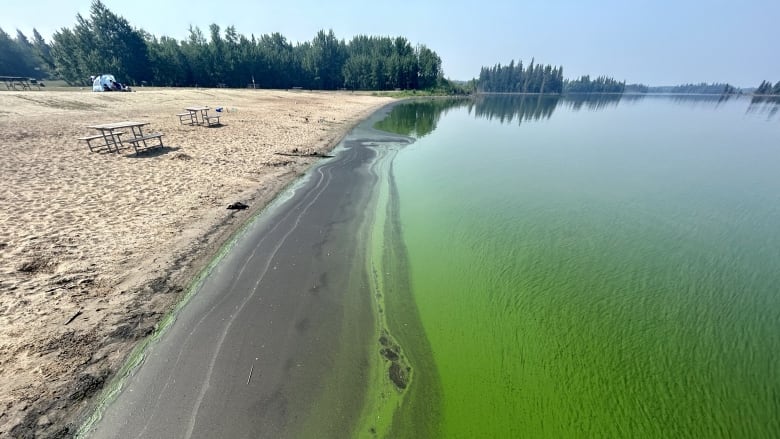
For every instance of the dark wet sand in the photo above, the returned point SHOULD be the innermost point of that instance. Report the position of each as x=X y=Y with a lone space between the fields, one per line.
x=276 y=343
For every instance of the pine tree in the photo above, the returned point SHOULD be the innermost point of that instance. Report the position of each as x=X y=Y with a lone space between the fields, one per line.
x=43 y=52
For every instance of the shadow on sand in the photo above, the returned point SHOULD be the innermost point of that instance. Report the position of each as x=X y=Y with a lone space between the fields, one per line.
x=153 y=152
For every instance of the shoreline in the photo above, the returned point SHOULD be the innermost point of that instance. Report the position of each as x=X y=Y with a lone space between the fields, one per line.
x=226 y=239
x=92 y=346
x=276 y=299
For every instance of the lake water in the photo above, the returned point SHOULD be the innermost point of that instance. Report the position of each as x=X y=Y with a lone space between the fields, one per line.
x=584 y=267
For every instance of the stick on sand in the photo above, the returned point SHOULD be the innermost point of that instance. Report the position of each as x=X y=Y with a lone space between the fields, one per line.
x=250 y=374
x=73 y=317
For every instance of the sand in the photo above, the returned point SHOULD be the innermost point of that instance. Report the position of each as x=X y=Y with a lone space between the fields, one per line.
x=95 y=247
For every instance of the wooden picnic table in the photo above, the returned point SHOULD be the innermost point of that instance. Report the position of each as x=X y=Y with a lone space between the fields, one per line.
x=110 y=134
x=18 y=82
x=198 y=115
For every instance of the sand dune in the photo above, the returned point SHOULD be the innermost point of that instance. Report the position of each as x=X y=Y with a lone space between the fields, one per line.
x=96 y=246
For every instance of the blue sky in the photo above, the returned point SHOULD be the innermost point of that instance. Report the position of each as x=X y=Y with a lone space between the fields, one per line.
x=659 y=42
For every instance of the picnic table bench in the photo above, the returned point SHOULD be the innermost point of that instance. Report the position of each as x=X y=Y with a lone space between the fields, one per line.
x=211 y=120
x=89 y=139
x=185 y=117
x=136 y=141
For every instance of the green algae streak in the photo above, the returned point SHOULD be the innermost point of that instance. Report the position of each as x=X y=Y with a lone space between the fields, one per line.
x=407 y=407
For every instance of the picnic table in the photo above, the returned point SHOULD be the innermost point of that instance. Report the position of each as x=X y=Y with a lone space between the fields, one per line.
x=111 y=135
x=18 y=82
x=198 y=116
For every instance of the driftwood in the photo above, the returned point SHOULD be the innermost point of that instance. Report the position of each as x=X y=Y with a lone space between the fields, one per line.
x=250 y=374
x=73 y=317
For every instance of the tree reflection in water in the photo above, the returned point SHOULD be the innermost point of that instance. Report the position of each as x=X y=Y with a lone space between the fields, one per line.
x=419 y=118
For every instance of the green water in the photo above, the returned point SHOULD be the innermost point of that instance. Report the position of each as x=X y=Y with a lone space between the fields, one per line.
x=593 y=268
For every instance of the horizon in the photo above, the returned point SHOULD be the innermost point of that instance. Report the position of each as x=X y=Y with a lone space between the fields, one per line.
x=645 y=45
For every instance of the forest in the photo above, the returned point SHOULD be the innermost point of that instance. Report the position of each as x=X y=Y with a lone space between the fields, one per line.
x=106 y=43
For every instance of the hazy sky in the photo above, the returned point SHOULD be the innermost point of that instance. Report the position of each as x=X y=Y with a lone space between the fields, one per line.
x=660 y=42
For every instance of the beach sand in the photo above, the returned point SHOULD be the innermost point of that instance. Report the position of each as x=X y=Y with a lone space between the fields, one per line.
x=95 y=247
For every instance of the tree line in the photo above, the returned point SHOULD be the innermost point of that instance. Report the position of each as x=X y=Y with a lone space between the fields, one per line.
x=600 y=84
x=704 y=88
x=766 y=88
x=538 y=78
x=716 y=88
x=514 y=78
x=106 y=43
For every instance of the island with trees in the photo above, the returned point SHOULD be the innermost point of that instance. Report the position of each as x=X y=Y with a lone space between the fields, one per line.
x=539 y=78
x=767 y=89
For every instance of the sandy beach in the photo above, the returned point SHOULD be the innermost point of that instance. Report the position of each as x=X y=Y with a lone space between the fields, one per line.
x=95 y=247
